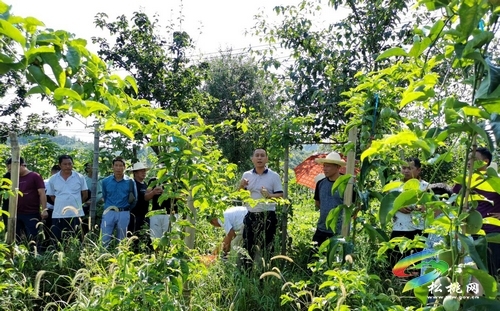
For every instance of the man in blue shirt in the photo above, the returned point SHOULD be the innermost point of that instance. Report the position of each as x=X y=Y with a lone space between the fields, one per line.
x=120 y=196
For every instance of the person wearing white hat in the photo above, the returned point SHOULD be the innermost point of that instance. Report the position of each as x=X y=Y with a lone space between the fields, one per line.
x=325 y=200
x=120 y=196
x=144 y=196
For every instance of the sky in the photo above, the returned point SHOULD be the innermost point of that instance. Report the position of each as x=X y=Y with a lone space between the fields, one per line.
x=214 y=25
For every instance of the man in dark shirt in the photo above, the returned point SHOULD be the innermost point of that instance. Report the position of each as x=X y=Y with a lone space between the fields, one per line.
x=30 y=203
x=160 y=222
x=325 y=200
x=488 y=208
x=144 y=196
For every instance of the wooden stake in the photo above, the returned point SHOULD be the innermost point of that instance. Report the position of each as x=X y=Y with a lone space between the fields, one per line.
x=351 y=155
x=14 y=177
x=284 y=216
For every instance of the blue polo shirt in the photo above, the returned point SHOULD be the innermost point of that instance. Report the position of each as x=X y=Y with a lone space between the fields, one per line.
x=115 y=193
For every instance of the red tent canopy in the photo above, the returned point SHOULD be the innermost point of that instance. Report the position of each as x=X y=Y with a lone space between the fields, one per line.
x=306 y=172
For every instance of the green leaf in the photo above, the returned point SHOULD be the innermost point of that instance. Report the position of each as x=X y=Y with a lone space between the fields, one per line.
x=38 y=90
x=471 y=250
x=412 y=184
x=488 y=282
x=341 y=183
x=481 y=304
x=132 y=83
x=489 y=87
x=419 y=47
x=409 y=97
x=392 y=52
x=73 y=57
x=386 y=207
x=480 y=38
x=4 y=8
x=52 y=60
x=491 y=105
x=39 y=77
x=4 y=68
x=406 y=198
x=491 y=221
x=433 y=5
x=475 y=112
x=33 y=52
x=470 y=13
x=436 y=29
x=93 y=106
x=12 y=32
x=63 y=93
x=110 y=125
x=392 y=185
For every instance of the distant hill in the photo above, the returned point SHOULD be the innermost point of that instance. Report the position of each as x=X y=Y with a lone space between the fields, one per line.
x=61 y=140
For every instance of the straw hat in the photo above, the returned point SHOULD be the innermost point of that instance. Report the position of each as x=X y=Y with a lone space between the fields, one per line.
x=139 y=166
x=333 y=158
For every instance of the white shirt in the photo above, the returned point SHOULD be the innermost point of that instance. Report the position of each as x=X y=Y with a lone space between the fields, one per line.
x=403 y=222
x=46 y=182
x=269 y=180
x=233 y=218
x=68 y=193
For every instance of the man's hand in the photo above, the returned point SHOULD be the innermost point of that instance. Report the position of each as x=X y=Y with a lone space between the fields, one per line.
x=45 y=214
x=158 y=190
x=243 y=183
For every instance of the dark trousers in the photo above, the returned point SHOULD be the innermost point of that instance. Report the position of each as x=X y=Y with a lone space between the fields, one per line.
x=62 y=227
x=27 y=224
x=259 y=231
x=320 y=236
x=395 y=254
x=492 y=257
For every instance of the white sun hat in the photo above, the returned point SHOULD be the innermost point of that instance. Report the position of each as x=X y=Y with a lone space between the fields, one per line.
x=139 y=166
x=333 y=158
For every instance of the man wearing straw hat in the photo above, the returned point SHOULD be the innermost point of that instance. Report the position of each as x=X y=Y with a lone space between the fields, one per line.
x=324 y=199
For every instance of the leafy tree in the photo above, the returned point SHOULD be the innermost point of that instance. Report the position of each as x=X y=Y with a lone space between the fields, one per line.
x=241 y=92
x=14 y=83
x=324 y=60
x=160 y=66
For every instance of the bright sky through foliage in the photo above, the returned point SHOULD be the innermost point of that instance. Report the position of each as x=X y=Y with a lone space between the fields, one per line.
x=214 y=25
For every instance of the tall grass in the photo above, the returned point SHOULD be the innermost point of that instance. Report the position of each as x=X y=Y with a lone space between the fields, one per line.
x=82 y=275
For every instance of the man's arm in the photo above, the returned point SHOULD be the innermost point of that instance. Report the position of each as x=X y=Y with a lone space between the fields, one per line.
x=316 y=204
x=226 y=243
x=43 y=202
x=85 y=195
x=150 y=193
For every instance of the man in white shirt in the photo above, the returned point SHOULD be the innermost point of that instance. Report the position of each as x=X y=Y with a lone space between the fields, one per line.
x=404 y=224
x=260 y=221
x=233 y=226
x=68 y=189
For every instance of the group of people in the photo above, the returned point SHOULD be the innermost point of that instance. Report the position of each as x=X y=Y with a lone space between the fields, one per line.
x=63 y=200
x=408 y=221
x=255 y=226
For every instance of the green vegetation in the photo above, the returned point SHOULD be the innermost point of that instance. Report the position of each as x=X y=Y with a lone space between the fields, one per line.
x=426 y=88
